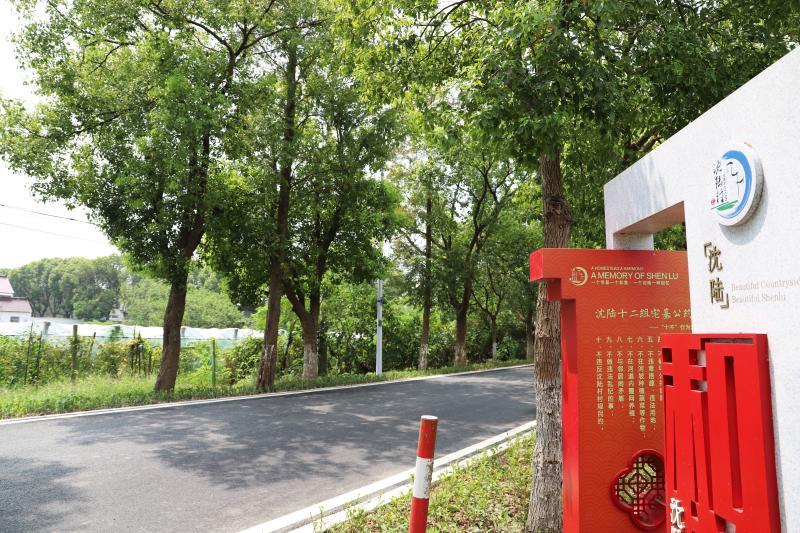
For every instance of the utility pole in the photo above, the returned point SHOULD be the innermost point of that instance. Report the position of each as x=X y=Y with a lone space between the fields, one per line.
x=379 y=352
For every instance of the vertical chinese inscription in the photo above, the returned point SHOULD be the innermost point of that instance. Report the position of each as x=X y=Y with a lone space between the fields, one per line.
x=627 y=365
x=716 y=285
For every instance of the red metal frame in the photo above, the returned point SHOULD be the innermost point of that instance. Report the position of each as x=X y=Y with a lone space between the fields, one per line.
x=720 y=451
x=594 y=452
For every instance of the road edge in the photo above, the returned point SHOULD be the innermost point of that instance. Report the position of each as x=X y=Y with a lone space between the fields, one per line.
x=189 y=403
x=320 y=516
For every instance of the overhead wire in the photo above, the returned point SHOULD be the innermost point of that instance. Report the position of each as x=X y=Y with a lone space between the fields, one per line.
x=42 y=213
x=51 y=233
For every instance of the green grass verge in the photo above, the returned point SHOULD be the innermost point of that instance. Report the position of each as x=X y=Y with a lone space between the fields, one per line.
x=488 y=495
x=99 y=392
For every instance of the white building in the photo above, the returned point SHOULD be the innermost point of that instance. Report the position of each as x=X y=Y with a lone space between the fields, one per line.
x=12 y=309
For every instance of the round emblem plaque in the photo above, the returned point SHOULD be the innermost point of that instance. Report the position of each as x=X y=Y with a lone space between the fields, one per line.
x=737 y=182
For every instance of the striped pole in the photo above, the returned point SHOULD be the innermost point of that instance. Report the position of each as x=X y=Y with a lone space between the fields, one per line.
x=423 y=474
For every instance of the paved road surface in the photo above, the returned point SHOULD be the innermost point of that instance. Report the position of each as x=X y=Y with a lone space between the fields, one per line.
x=231 y=465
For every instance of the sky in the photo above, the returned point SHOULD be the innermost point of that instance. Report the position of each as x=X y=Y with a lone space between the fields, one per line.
x=25 y=234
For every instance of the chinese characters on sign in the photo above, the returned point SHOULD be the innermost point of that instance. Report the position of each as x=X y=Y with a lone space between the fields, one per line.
x=628 y=369
x=615 y=306
x=716 y=286
x=737 y=182
x=676 y=516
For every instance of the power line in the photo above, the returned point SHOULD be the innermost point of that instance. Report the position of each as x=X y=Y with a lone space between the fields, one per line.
x=46 y=214
x=51 y=233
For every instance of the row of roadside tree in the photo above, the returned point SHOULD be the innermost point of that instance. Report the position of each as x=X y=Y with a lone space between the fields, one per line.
x=285 y=143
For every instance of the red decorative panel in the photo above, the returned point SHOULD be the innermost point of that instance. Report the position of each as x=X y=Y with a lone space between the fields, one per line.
x=639 y=490
x=720 y=452
x=615 y=304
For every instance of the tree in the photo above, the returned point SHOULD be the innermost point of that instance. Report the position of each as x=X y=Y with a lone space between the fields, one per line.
x=323 y=210
x=415 y=246
x=137 y=102
x=468 y=191
x=347 y=214
x=95 y=286
x=501 y=283
x=534 y=73
x=72 y=288
x=144 y=300
x=33 y=281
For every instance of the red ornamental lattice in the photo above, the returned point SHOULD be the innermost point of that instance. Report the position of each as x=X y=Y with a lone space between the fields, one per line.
x=640 y=491
x=720 y=451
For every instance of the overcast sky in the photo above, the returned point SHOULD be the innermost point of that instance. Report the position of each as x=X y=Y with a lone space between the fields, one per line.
x=24 y=235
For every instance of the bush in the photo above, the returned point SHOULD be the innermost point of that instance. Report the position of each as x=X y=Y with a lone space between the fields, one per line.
x=132 y=357
x=241 y=361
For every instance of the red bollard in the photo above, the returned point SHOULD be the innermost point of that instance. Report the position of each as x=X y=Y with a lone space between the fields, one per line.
x=423 y=474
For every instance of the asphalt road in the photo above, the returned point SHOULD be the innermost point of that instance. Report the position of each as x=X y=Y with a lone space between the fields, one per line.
x=231 y=465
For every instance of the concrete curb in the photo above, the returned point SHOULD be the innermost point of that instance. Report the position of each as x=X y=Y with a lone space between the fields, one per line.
x=185 y=403
x=330 y=512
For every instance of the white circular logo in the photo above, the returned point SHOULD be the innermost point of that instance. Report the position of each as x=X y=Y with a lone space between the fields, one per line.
x=738 y=180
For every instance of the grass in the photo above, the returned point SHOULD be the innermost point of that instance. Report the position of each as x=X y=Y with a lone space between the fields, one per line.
x=98 y=392
x=488 y=495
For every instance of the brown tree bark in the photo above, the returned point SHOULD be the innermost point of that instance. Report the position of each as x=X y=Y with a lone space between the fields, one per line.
x=544 y=512
x=171 y=347
x=310 y=354
x=493 y=330
x=461 y=337
x=322 y=347
x=309 y=326
x=426 y=287
x=266 y=368
x=189 y=239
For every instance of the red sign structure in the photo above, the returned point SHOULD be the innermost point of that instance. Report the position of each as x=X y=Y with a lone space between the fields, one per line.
x=720 y=452
x=615 y=304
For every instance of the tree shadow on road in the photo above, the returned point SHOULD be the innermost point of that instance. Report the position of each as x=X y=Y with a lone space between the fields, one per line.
x=35 y=495
x=294 y=451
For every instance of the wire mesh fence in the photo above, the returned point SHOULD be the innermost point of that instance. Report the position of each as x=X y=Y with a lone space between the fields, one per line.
x=40 y=352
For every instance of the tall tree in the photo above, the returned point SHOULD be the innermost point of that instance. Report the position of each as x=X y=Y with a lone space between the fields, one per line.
x=87 y=289
x=137 y=98
x=414 y=247
x=305 y=199
x=534 y=73
x=347 y=214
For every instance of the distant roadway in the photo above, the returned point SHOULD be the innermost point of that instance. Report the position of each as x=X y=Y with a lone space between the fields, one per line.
x=226 y=466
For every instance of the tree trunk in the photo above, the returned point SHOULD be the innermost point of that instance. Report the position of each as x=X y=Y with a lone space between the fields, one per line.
x=289 y=337
x=266 y=368
x=310 y=355
x=322 y=346
x=309 y=327
x=171 y=347
x=544 y=511
x=461 y=338
x=423 y=345
x=426 y=286
x=493 y=329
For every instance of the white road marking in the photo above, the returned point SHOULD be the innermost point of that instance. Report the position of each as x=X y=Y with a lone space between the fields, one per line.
x=168 y=405
x=330 y=512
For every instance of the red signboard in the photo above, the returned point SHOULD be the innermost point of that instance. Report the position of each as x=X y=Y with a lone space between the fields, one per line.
x=615 y=304
x=720 y=452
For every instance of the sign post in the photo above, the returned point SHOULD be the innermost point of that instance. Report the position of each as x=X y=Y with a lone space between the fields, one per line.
x=379 y=349
x=615 y=304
